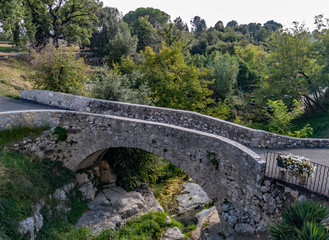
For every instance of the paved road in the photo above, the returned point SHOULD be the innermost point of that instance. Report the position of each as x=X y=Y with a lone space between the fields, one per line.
x=316 y=155
x=12 y=104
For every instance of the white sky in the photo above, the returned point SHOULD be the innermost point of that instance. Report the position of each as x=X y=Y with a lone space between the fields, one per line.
x=243 y=11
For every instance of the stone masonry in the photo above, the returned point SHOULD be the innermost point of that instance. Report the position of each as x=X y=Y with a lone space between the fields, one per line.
x=187 y=119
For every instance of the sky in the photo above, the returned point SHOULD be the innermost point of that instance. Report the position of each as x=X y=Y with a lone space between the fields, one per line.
x=243 y=11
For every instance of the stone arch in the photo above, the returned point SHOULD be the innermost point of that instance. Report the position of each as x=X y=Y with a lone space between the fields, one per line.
x=223 y=168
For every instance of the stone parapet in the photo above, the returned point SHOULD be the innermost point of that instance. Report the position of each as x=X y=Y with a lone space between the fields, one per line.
x=187 y=119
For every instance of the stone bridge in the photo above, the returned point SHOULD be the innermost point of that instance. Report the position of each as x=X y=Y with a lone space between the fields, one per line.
x=215 y=153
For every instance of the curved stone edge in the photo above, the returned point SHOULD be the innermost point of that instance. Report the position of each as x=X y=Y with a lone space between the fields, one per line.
x=187 y=119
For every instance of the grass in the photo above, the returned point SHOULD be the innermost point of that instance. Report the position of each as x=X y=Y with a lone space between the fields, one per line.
x=9 y=49
x=318 y=121
x=24 y=180
x=15 y=135
x=13 y=76
x=147 y=227
x=168 y=186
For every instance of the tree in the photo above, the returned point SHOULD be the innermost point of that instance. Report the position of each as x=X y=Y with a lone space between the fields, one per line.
x=69 y=19
x=232 y=24
x=279 y=119
x=198 y=24
x=11 y=15
x=224 y=72
x=112 y=37
x=293 y=69
x=59 y=71
x=174 y=83
x=156 y=17
x=145 y=33
x=272 y=25
x=219 y=26
x=180 y=25
x=110 y=85
x=252 y=66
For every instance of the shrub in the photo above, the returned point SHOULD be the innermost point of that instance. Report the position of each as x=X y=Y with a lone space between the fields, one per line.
x=300 y=220
x=110 y=85
x=279 y=121
x=60 y=71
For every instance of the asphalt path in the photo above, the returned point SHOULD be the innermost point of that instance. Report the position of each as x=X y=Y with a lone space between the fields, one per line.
x=317 y=155
x=13 y=104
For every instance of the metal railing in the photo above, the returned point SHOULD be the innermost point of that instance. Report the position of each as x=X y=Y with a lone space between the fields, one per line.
x=317 y=183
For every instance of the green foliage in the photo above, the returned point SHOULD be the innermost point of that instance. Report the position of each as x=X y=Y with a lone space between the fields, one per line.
x=110 y=85
x=174 y=83
x=292 y=68
x=222 y=111
x=133 y=166
x=280 y=119
x=301 y=221
x=61 y=134
x=317 y=121
x=224 y=71
x=17 y=134
x=155 y=17
x=78 y=207
x=60 y=71
x=23 y=182
x=148 y=226
x=145 y=33
x=111 y=37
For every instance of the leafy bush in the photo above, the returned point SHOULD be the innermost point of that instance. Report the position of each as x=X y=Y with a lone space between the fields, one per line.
x=60 y=71
x=301 y=221
x=110 y=85
x=280 y=119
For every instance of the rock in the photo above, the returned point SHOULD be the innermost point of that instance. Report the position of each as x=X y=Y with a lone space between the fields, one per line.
x=301 y=198
x=287 y=189
x=294 y=193
x=173 y=234
x=106 y=173
x=100 y=203
x=88 y=191
x=59 y=194
x=267 y=183
x=99 y=220
x=211 y=218
x=265 y=189
x=150 y=201
x=112 y=207
x=193 y=197
x=30 y=226
x=225 y=207
x=168 y=220
x=81 y=178
x=244 y=229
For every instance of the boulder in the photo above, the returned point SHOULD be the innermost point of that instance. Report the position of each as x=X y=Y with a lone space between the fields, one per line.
x=193 y=197
x=173 y=234
x=88 y=191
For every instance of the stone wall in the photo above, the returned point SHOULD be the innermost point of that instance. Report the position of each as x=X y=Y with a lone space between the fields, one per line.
x=223 y=168
x=246 y=136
